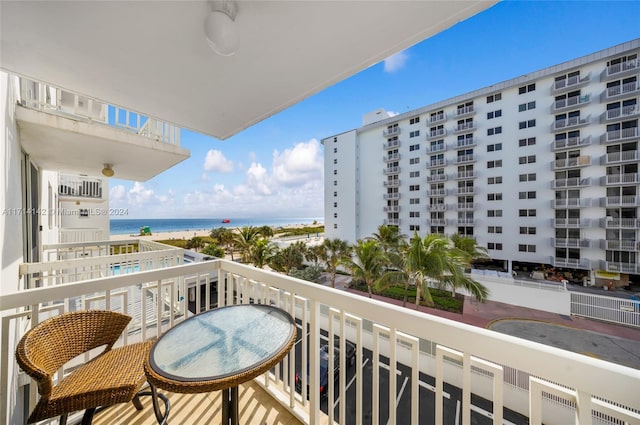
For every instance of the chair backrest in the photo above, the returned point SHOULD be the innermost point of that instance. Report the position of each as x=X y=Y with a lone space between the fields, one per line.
x=49 y=345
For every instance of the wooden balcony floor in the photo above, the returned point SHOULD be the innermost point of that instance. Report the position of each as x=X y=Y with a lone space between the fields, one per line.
x=256 y=408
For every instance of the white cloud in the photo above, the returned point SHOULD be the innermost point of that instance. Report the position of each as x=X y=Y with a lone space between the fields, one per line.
x=138 y=195
x=395 y=62
x=117 y=193
x=204 y=177
x=216 y=161
x=298 y=166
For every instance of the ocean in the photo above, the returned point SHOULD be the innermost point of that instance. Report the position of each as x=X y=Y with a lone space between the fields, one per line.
x=132 y=226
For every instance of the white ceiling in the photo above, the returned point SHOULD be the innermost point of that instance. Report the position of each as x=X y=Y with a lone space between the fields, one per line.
x=152 y=57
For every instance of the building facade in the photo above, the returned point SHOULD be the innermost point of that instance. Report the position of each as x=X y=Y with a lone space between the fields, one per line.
x=540 y=169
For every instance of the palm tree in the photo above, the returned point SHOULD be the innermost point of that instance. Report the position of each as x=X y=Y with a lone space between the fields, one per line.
x=261 y=252
x=389 y=238
x=266 y=231
x=244 y=239
x=225 y=237
x=288 y=258
x=469 y=246
x=334 y=253
x=314 y=254
x=195 y=242
x=368 y=264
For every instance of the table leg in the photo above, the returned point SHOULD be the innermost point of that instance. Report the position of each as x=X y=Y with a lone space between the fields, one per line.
x=230 y=414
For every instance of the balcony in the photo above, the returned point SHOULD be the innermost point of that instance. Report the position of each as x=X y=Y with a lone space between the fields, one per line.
x=392 y=183
x=391 y=157
x=440 y=162
x=434 y=134
x=466 y=206
x=464 y=111
x=467 y=142
x=393 y=209
x=569 y=83
x=571 y=142
x=624 y=245
x=391 y=196
x=437 y=192
x=622 y=201
x=620 y=157
x=464 y=159
x=619 y=91
x=389 y=132
x=437 y=222
x=437 y=178
x=574 y=162
x=75 y=235
x=571 y=203
x=620 y=223
x=465 y=222
x=620 y=135
x=611 y=266
x=63 y=130
x=470 y=174
x=436 y=148
x=508 y=372
x=620 y=69
x=570 y=223
x=620 y=179
x=573 y=263
x=570 y=182
x=391 y=170
x=75 y=188
x=570 y=123
x=436 y=118
x=437 y=207
x=570 y=102
x=464 y=127
x=466 y=190
x=392 y=144
x=623 y=113
x=392 y=222
x=570 y=243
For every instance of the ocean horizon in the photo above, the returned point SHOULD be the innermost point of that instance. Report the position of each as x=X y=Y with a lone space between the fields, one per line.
x=129 y=226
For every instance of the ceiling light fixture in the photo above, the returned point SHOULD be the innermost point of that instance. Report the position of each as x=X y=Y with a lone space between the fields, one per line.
x=108 y=171
x=219 y=27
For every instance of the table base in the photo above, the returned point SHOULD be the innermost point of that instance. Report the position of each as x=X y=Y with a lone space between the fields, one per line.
x=230 y=406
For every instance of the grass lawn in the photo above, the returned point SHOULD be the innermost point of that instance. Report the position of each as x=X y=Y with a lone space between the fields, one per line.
x=442 y=299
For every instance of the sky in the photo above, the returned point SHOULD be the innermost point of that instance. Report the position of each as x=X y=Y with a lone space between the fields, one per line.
x=275 y=168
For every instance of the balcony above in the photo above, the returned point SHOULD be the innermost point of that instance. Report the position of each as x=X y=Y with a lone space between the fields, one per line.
x=393 y=209
x=570 y=123
x=620 y=179
x=441 y=162
x=620 y=70
x=463 y=175
x=465 y=111
x=466 y=190
x=392 y=144
x=621 y=201
x=571 y=203
x=466 y=142
x=574 y=263
x=464 y=127
x=389 y=132
x=575 y=162
x=569 y=83
x=570 y=182
x=620 y=223
x=465 y=159
x=570 y=102
x=437 y=207
x=391 y=157
x=391 y=170
x=570 y=223
x=622 y=113
x=436 y=118
x=434 y=134
x=466 y=206
x=620 y=157
x=570 y=243
x=623 y=135
x=391 y=196
x=465 y=222
x=392 y=183
x=620 y=245
x=73 y=188
x=437 y=178
x=436 y=148
x=570 y=142
x=620 y=91
x=437 y=192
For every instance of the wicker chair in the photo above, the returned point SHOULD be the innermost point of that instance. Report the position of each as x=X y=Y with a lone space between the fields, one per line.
x=114 y=376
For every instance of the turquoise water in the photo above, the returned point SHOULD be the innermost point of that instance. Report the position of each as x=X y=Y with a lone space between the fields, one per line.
x=132 y=226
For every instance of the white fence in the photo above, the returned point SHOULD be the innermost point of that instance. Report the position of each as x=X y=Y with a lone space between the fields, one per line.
x=610 y=309
x=497 y=367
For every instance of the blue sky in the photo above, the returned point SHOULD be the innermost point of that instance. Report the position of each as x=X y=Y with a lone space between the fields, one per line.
x=275 y=168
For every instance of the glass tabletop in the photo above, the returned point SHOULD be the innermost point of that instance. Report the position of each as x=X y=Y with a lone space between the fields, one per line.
x=222 y=342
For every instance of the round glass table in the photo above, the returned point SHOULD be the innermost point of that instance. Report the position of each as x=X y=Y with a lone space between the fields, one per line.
x=218 y=350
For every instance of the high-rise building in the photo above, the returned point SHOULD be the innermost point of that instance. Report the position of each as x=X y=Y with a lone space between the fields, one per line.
x=541 y=169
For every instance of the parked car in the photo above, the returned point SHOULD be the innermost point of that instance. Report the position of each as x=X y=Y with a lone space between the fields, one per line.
x=350 y=354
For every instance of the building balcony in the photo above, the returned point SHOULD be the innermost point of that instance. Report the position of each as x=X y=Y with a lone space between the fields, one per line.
x=622 y=201
x=570 y=102
x=570 y=83
x=510 y=373
x=571 y=203
x=623 y=113
x=437 y=222
x=619 y=91
x=436 y=148
x=73 y=187
x=464 y=159
x=65 y=131
x=620 y=223
x=620 y=179
x=465 y=222
x=434 y=119
x=434 y=134
x=393 y=209
x=620 y=157
x=389 y=132
x=392 y=144
x=441 y=162
x=437 y=192
x=466 y=190
x=571 y=182
x=392 y=183
x=76 y=235
x=437 y=178
x=570 y=223
x=464 y=127
x=391 y=196
x=392 y=222
x=437 y=207
x=466 y=206
x=572 y=263
x=462 y=175
x=570 y=123
x=465 y=111
x=611 y=266
x=624 y=245
x=575 y=162
x=620 y=70
x=570 y=243
x=466 y=142
x=625 y=134
x=391 y=157
x=571 y=142
x=391 y=170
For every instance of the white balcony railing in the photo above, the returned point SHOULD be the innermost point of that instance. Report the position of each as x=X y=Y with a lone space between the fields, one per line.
x=623 y=66
x=571 y=142
x=69 y=235
x=623 y=156
x=437 y=177
x=625 y=133
x=622 y=112
x=571 y=101
x=80 y=186
x=626 y=88
x=578 y=161
x=570 y=82
x=63 y=102
x=541 y=382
